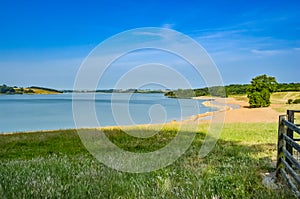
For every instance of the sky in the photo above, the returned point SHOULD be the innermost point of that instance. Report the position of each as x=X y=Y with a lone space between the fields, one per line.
x=44 y=43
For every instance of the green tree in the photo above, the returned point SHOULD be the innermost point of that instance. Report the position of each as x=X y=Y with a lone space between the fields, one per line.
x=260 y=90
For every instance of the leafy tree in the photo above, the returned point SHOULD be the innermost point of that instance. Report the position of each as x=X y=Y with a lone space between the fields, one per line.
x=260 y=90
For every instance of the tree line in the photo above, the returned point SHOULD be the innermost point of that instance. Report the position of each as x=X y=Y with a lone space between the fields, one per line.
x=4 y=89
x=258 y=91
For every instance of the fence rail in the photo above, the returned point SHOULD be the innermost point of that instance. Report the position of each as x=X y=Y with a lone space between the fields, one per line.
x=288 y=164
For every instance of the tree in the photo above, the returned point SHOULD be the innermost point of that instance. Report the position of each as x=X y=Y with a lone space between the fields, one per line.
x=260 y=90
x=6 y=89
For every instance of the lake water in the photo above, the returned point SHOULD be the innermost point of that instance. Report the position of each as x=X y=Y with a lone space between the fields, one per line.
x=46 y=112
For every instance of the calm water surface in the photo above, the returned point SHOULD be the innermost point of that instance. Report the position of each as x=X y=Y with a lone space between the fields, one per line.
x=46 y=112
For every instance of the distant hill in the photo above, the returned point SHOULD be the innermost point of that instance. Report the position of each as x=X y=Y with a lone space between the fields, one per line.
x=41 y=90
x=4 y=89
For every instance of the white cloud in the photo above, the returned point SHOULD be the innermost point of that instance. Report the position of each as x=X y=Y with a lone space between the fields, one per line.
x=168 y=25
x=266 y=52
x=221 y=34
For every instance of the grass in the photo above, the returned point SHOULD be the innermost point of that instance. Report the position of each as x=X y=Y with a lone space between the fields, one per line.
x=56 y=165
x=43 y=91
x=278 y=101
x=282 y=97
x=37 y=91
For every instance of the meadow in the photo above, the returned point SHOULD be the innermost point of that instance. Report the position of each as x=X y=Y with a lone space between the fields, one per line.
x=55 y=164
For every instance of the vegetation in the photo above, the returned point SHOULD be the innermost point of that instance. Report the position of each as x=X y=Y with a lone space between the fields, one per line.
x=284 y=87
x=232 y=89
x=259 y=92
x=295 y=101
x=23 y=90
x=4 y=89
x=181 y=93
x=216 y=91
x=43 y=90
x=56 y=165
x=280 y=99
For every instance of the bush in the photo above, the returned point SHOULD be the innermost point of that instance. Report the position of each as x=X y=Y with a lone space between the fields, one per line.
x=260 y=90
x=296 y=101
x=291 y=101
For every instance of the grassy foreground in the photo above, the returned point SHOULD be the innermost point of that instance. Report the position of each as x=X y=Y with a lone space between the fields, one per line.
x=56 y=165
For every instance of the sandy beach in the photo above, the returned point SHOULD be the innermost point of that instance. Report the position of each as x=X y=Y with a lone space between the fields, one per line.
x=243 y=114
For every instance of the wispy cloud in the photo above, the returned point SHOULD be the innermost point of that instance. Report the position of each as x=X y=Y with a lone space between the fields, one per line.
x=266 y=52
x=168 y=25
x=240 y=41
x=221 y=34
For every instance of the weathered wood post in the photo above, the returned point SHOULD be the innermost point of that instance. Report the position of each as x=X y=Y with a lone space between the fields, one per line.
x=290 y=132
x=286 y=162
x=280 y=143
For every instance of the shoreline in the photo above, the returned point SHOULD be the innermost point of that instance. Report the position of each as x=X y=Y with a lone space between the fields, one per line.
x=238 y=111
x=220 y=103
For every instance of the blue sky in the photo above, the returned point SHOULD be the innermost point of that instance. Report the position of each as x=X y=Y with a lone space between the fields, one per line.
x=43 y=43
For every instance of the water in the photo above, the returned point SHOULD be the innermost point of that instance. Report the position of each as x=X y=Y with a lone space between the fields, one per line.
x=46 y=112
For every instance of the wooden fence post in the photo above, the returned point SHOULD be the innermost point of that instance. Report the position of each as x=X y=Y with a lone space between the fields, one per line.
x=286 y=162
x=280 y=143
x=289 y=132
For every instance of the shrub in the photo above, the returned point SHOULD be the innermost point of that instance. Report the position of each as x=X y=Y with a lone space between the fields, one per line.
x=290 y=101
x=260 y=90
x=296 y=101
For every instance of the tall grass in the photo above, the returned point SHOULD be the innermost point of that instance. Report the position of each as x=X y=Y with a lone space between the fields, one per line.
x=56 y=165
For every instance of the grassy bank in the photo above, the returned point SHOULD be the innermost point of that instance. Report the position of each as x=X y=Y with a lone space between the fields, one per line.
x=278 y=101
x=56 y=165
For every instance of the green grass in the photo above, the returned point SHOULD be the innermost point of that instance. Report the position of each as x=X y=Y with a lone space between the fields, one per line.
x=56 y=165
x=282 y=97
x=279 y=101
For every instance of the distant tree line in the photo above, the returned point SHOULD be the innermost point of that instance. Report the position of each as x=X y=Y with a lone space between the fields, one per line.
x=4 y=89
x=232 y=89
x=285 y=87
x=217 y=91
x=181 y=93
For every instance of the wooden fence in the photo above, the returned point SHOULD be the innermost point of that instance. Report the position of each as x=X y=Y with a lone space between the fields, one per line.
x=288 y=156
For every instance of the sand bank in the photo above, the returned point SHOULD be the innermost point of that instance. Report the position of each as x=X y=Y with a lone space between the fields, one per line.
x=241 y=113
